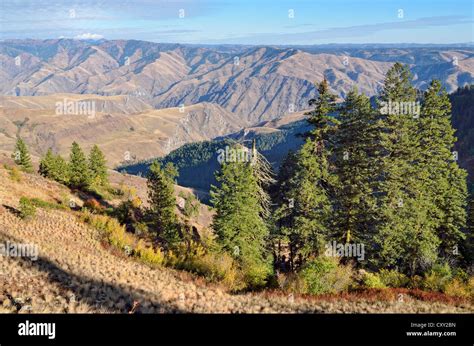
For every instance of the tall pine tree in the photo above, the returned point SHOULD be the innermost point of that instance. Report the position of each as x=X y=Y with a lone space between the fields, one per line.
x=406 y=236
x=446 y=180
x=162 y=204
x=354 y=155
x=79 y=173
x=98 y=167
x=239 y=224
x=305 y=217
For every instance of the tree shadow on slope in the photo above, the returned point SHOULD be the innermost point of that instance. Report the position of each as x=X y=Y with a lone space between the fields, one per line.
x=94 y=293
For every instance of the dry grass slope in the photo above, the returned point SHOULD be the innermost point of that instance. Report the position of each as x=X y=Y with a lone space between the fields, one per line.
x=75 y=273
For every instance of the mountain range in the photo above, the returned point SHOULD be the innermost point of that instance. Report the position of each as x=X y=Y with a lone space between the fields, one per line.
x=151 y=98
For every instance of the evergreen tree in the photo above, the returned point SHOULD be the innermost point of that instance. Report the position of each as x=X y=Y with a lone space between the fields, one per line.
x=79 y=173
x=406 y=236
x=22 y=156
x=305 y=216
x=320 y=117
x=161 y=212
x=354 y=155
x=171 y=171
x=60 y=171
x=446 y=180
x=98 y=168
x=240 y=228
x=54 y=167
x=46 y=164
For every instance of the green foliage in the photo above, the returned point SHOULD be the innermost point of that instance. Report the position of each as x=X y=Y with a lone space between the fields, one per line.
x=210 y=262
x=171 y=171
x=97 y=167
x=459 y=288
x=406 y=229
x=392 y=278
x=161 y=211
x=27 y=209
x=320 y=118
x=354 y=158
x=324 y=275
x=79 y=173
x=306 y=185
x=438 y=277
x=47 y=205
x=191 y=205
x=22 y=156
x=54 y=167
x=238 y=223
x=447 y=181
x=372 y=280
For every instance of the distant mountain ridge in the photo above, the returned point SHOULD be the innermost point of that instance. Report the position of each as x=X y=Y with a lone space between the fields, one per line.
x=256 y=83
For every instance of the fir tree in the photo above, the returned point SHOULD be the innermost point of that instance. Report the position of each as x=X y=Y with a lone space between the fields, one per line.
x=446 y=181
x=79 y=174
x=240 y=228
x=22 y=156
x=305 y=216
x=354 y=155
x=46 y=164
x=171 y=171
x=97 y=167
x=54 y=167
x=161 y=212
x=406 y=236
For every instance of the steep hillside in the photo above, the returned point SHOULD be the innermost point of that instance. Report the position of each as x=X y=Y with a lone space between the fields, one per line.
x=74 y=272
x=125 y=127
x=256 y=83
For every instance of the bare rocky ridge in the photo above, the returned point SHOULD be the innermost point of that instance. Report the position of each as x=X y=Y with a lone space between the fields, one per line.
x=256 y=83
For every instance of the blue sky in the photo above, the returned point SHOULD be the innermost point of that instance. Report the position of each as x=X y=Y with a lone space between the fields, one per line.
x=242 y=21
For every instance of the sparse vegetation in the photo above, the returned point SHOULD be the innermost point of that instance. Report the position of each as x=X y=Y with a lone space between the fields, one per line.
x=27 y=209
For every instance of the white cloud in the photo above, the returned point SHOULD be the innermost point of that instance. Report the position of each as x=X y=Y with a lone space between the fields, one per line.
x=88 y=36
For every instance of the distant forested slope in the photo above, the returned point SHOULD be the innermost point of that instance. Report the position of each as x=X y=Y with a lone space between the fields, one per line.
x=197 y=162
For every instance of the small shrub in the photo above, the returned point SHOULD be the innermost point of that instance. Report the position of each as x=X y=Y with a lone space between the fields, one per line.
x=93 y=205
x=15 y=174
x=290 y=282
x=46 y=205
x=140 y=228
x=372 y=280
x=325 y=275
x=437 y=278
x=27 y=209
x=148 y=254
x=213 y=265
x=392 y=278
x=458 y=288
x=416 y=282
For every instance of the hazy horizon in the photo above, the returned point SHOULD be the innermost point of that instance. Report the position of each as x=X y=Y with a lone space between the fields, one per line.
x=242 y=22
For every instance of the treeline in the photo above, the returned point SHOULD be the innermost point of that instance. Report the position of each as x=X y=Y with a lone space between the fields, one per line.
x=81 y=172
x=383 y=178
